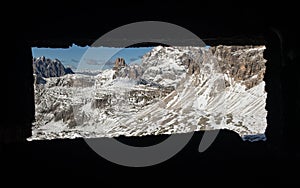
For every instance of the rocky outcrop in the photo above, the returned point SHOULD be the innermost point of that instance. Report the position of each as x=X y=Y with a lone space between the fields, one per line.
x=39 y=79
x=119 y=64
x=192 y=66
x=68 y=70
x=44 y=68
x=132 y=72
x=245 y=64
x=101 y=102
x=123 y=70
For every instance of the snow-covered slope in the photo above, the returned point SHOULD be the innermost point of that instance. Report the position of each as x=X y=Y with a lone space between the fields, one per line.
x=174 y=90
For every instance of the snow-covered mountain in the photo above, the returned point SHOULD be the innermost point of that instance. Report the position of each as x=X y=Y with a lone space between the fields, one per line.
x=45 y=67
x=174 y=90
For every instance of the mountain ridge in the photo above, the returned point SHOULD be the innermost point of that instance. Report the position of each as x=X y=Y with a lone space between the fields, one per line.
x=45 y=67
x=174 y=90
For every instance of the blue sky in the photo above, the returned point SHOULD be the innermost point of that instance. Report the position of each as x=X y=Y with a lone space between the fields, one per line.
x=82 y=58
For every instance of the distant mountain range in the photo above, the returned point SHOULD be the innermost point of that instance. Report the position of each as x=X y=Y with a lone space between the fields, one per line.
x=45 y=67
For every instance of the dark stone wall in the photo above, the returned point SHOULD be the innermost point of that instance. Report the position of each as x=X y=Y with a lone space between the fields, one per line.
x=19 y=103
x=57 y=23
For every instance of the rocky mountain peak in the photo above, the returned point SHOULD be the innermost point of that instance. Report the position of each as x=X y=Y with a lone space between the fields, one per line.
x=119 y=64
x=44 y=68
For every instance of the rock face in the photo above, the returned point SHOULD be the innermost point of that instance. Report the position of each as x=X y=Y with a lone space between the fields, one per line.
x=174 y=90
x=245 y=64
x=45 y=68
x=191 y=65
x=132 y=72
x=119 y=64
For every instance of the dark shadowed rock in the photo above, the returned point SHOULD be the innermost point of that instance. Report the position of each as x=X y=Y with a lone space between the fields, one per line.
x=68 y=70
x=192 y=66
x=39 y=79
x=44 y=68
